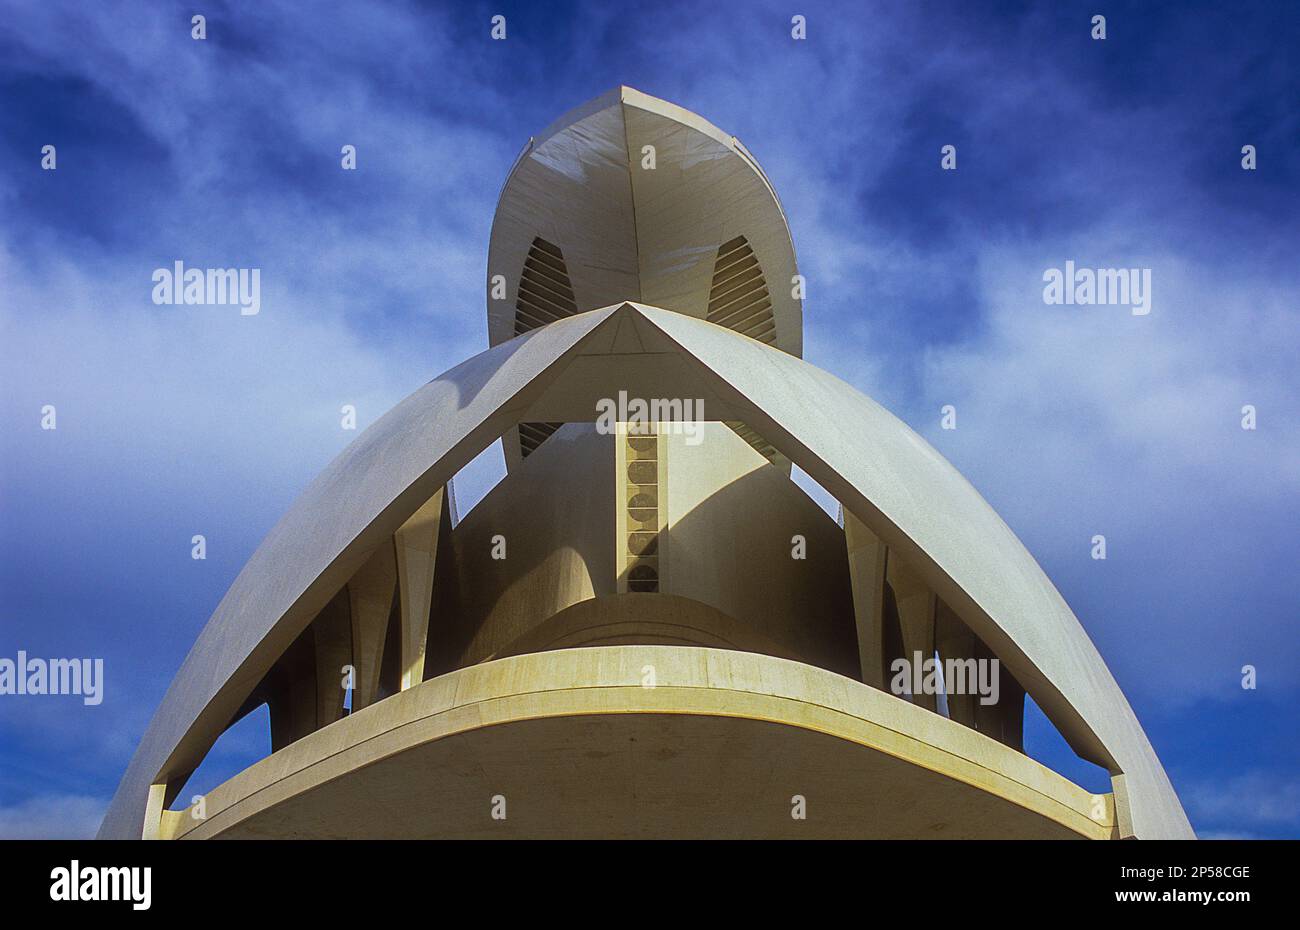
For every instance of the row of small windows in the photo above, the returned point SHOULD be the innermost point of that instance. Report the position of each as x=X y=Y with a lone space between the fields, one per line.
x=642 y=555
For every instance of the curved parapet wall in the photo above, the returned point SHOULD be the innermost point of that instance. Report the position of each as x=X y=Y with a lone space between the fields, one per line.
x=883 y=473
x=581 y=747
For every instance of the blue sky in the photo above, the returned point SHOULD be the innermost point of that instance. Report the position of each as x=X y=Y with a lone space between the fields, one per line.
x=924 y=289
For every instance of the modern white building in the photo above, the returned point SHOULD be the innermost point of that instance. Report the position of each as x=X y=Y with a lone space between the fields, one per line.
x=645 y=629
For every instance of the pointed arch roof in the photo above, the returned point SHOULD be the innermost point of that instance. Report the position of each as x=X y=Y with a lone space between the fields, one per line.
x=879 y=469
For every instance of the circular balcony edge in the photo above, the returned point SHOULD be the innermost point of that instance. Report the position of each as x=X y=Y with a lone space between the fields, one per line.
x=683 y=695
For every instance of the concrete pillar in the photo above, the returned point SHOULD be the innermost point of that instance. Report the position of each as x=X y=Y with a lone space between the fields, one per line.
x=1005 y=720
x=867 y=556
x=332 y=632
x=916 y=617
x=1123 y=808
x=153 y=812
x=371 y=603
x=417 y=548
x=291 y=692
x=954 y=640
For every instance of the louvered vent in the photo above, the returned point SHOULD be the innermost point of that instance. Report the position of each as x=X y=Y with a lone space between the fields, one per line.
x=745 y=432
x=739 y=299
x=545 y=295
x=532 y=435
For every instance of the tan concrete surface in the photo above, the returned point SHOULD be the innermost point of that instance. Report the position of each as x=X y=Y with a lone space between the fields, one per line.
x=579 y=747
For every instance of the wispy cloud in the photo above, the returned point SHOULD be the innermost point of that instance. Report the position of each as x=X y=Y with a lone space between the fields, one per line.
x=52 y=817
x=1252 y=803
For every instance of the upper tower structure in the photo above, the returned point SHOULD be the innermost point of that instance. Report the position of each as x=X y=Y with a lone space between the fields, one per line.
x=629 y=197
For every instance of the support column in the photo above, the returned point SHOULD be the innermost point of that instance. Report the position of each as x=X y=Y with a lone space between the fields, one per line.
x=867 y=556
x=916 y=618
x=1005 y=719
x=291 y=692
x=954 y=640
x=1123 y=808
x=417 y=548
x=371 y=601
x=153 y=812
x=333 y=640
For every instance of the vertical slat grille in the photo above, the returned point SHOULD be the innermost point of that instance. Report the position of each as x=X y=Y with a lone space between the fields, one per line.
x=642 y=496
x=739 y=298
x=545 y=295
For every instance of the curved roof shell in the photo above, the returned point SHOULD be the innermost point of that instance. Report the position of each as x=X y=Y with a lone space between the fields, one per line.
x=635 y=198
x=882 y=472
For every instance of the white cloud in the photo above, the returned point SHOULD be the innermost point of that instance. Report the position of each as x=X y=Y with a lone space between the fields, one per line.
x=1083 y=420
x=52 y=817
x=1244 y=804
